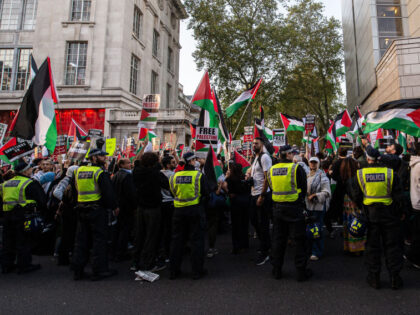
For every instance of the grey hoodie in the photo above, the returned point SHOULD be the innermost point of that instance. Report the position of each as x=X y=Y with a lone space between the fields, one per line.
x=415 y=182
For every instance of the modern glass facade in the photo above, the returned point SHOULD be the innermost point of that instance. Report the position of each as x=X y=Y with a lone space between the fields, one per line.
x=390 y=23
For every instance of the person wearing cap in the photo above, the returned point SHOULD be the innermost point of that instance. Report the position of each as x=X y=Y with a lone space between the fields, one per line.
x=287 y=181
x=20 y=196
x=377 y=190
x=95 y=194
x=189 y=188
x=317 y=201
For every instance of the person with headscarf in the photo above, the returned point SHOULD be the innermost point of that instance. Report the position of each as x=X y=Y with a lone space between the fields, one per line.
x=317 y=201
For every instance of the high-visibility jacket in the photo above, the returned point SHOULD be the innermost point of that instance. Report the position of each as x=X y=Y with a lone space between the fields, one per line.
x=376 y=185
x=186 y=187
x=283 y=183
x=87 y=183
x=13 y=193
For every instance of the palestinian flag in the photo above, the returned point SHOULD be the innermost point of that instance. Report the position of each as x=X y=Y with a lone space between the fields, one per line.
x=402 y=115
x=152 y=135
x=240 y=159
x=203 y=98
x=402 y=140
x=291 y=123
x=11 y=143
x=261 y=125
x=179 y=150
x=342 y=123
x=201 y=147
x=331 y=137
x=193 y=129
x=223 y=133
x=243 y=99
x=328 y=147
x=36 y=120
x=358 y=124
x=76 y=131
x=212 y=169
x=258 y=132
x=143 y=133
x=375 y=136
x=150 y=110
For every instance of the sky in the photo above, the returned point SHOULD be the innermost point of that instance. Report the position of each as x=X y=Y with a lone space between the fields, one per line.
x=189 y=76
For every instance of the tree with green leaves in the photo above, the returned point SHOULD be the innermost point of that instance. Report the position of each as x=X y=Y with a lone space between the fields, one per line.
x=299 y=55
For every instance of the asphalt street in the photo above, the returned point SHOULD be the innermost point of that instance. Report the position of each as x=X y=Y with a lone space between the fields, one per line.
x=234 y=286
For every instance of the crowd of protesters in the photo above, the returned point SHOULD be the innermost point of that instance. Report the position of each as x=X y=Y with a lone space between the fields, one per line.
x=135 y=218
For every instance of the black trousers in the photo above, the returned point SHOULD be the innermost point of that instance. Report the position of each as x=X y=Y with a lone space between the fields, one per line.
x=122 y=233
x=384 y=233
x=188 y=223
x=166 y=229
x=68 y=222
x=239 y=213
x=413 y=253
x=16 y=242
x=282 y=231
x=212 y=218
x=260 y=219
x=92 y=229
x=147 y=237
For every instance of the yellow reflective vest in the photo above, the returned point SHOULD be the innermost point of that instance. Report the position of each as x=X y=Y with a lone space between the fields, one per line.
x=186 y=187
x=283 y=183
x=86 y=178
x=13 y=193
x=376 y=185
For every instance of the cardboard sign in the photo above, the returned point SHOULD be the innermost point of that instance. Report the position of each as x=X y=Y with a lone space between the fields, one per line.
x=21 y=149
x=110 y=146
x=150 y=111
x=248 y=134
x=208 y=137
x=236 y=145
x=156 y=144
x=279 y=137
x=309 y=123
x=3 y=129
x=78 y=150
x=95 y=133
x=61 y=145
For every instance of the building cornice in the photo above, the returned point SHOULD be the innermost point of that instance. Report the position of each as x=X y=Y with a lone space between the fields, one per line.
x=182 y=13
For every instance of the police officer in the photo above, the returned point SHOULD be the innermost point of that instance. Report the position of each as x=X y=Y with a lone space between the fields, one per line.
x=376 y=189
x=287 y=181
x=20 y=196
x=94 y=195
x=190 y=191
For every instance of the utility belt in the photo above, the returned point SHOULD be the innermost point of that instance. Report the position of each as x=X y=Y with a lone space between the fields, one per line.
x=87 y=206
x=28 y=209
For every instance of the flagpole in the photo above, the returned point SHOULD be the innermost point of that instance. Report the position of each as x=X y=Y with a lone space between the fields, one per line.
x=240 y=120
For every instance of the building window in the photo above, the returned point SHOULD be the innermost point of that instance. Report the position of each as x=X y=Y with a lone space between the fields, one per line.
x=168 y=95
x=80 y=10
x=29 y=15
x=75 y=72
x=137 y=22
x=134 y=74
x=170 y=59
x=23 y=70
x=6 y=68
x=11 y=10
x=154 y=88
x=390 y=24
x=155 y=47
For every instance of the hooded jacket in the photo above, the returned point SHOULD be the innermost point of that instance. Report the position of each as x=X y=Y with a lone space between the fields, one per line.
x=415 y=182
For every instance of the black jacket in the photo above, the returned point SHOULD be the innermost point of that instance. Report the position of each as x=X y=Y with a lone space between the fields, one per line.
x=148 y=184
x=108 y=198
x=125 y=189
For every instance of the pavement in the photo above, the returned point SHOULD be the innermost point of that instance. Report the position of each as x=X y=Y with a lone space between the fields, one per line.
x=234 y=286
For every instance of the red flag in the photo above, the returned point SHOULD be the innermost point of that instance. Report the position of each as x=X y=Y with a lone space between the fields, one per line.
x=143 y=132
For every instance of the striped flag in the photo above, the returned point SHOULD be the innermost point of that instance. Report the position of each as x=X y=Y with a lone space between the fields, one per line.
x=36 y=120
x=243 y=99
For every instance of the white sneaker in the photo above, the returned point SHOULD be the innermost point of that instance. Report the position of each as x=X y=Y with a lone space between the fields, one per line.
x=314 y=258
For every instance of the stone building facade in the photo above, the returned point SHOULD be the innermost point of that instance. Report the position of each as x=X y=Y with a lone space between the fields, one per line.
x=105 y=55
